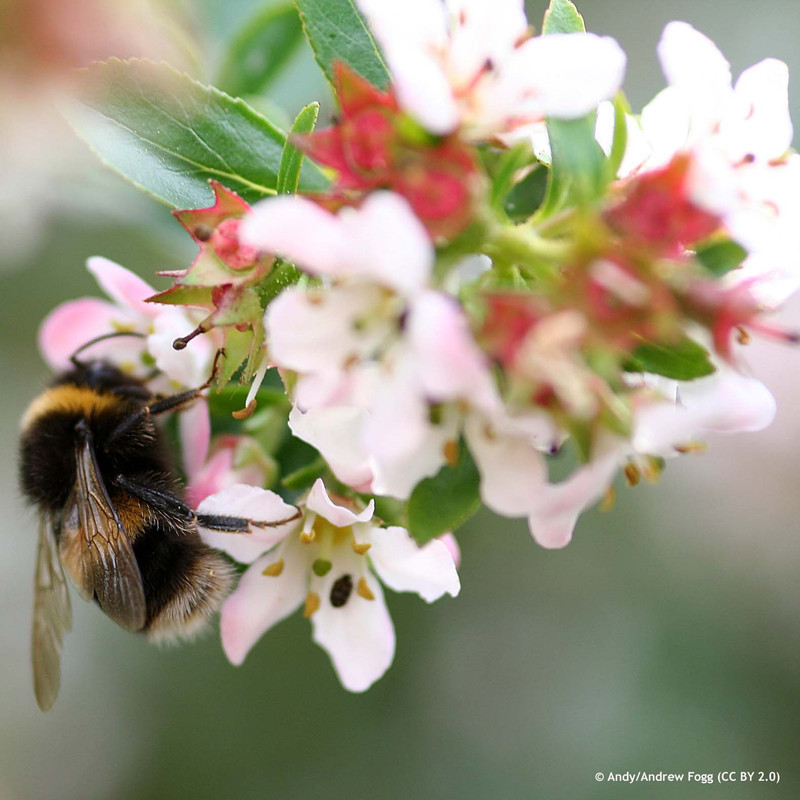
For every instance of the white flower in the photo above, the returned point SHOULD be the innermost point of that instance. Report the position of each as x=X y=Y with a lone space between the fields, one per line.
x=737 y=135
x=473 y=63
x=514 y=473
x=330 y=560
x=375 y=351
x=74 y=323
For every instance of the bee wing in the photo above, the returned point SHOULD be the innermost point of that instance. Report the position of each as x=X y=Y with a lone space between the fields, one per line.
x=95 y=548
x=52 y=616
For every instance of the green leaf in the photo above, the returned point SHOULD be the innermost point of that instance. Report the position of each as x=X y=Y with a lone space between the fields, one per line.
x=562 y=17
x=579 y=173
x=683 y=361
x=259 y=49
x=292 y=157
x=445 y=501
x=527 y=196
x=719 y=258
x=169 y=134
x=619 y=143
x=506 y=169
x=282 y=276
x=337 y=32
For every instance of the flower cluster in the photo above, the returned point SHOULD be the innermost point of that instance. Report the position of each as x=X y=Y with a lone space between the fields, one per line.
x=508 y=271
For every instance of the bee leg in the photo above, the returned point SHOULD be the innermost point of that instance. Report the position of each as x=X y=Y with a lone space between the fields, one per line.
x=175 y=402
x=158 y=500
x=173 y=507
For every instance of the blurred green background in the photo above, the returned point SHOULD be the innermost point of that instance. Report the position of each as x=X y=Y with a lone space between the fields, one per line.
x=666 y=637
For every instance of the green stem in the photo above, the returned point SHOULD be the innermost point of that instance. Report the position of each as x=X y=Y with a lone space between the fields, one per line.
x=519 y=245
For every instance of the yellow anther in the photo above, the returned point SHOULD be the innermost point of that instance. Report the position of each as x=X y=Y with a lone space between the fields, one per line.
x=273 y=570
x=691 y=447
x=632 y=474
x=652 y=469
x=360 y=548
x=609 y=499
x=742 y=335
x=312 y=604
x=450 y=452
x=364 y=590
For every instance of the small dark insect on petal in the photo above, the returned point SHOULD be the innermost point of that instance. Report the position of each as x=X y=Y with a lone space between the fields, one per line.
x=341 y=591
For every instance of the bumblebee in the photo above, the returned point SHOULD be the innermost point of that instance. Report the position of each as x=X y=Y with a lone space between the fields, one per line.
x=95 y=464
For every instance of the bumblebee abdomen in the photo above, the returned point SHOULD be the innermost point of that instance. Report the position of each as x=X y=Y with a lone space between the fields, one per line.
x=184 y=580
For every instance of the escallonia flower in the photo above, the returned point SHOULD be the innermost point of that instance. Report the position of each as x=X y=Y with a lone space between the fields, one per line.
x=374 y=145
x=736 y=137
x=153 y=330
x=368 y=357
x=475 y=66
x=329 y=558
x=222 y=280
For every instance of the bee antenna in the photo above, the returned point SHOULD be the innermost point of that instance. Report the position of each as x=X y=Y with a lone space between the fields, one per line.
x=112 y=335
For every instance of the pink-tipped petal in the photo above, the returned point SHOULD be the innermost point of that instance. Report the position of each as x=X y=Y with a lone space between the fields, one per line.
x=123 y=286
x=72 y=324
x=261 y=601
x=253 y=503
x=387 y=243
x=297 y=229
x=555 y=508
x=404 y=566
x=194 y=425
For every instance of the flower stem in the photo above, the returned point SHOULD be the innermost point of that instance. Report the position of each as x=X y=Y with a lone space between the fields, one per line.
x=519 y=245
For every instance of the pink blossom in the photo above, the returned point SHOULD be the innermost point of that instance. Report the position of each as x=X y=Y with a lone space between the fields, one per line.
x=330 y=560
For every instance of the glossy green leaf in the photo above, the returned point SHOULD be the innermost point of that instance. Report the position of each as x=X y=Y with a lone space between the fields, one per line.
x=719 y=258
x=259 y=49
x=562 y=17
x=169 y=134
x=445 y=501
x=579 y=172
x=684 y=361
x=292 y=157
x=337 y=32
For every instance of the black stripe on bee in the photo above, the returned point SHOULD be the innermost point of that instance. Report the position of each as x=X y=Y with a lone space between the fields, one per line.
x=341 y=590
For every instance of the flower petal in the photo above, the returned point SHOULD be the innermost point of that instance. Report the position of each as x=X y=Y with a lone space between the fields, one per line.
x=123 y=286
x=194 y=425
x=70 y=325
x=694 y=64
x=554 y=509
x=340 y=517
x=261 y=601
x=567 y=75
x=406 y=567
x=726 y=402
x=763 y=128
x=448 y=361
x=386 y=242
x=358 y=636
x=317 y=330
x=511 y=468
x=336 y=433
x=250 y=502
x=282 y=225
x=451 y=543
